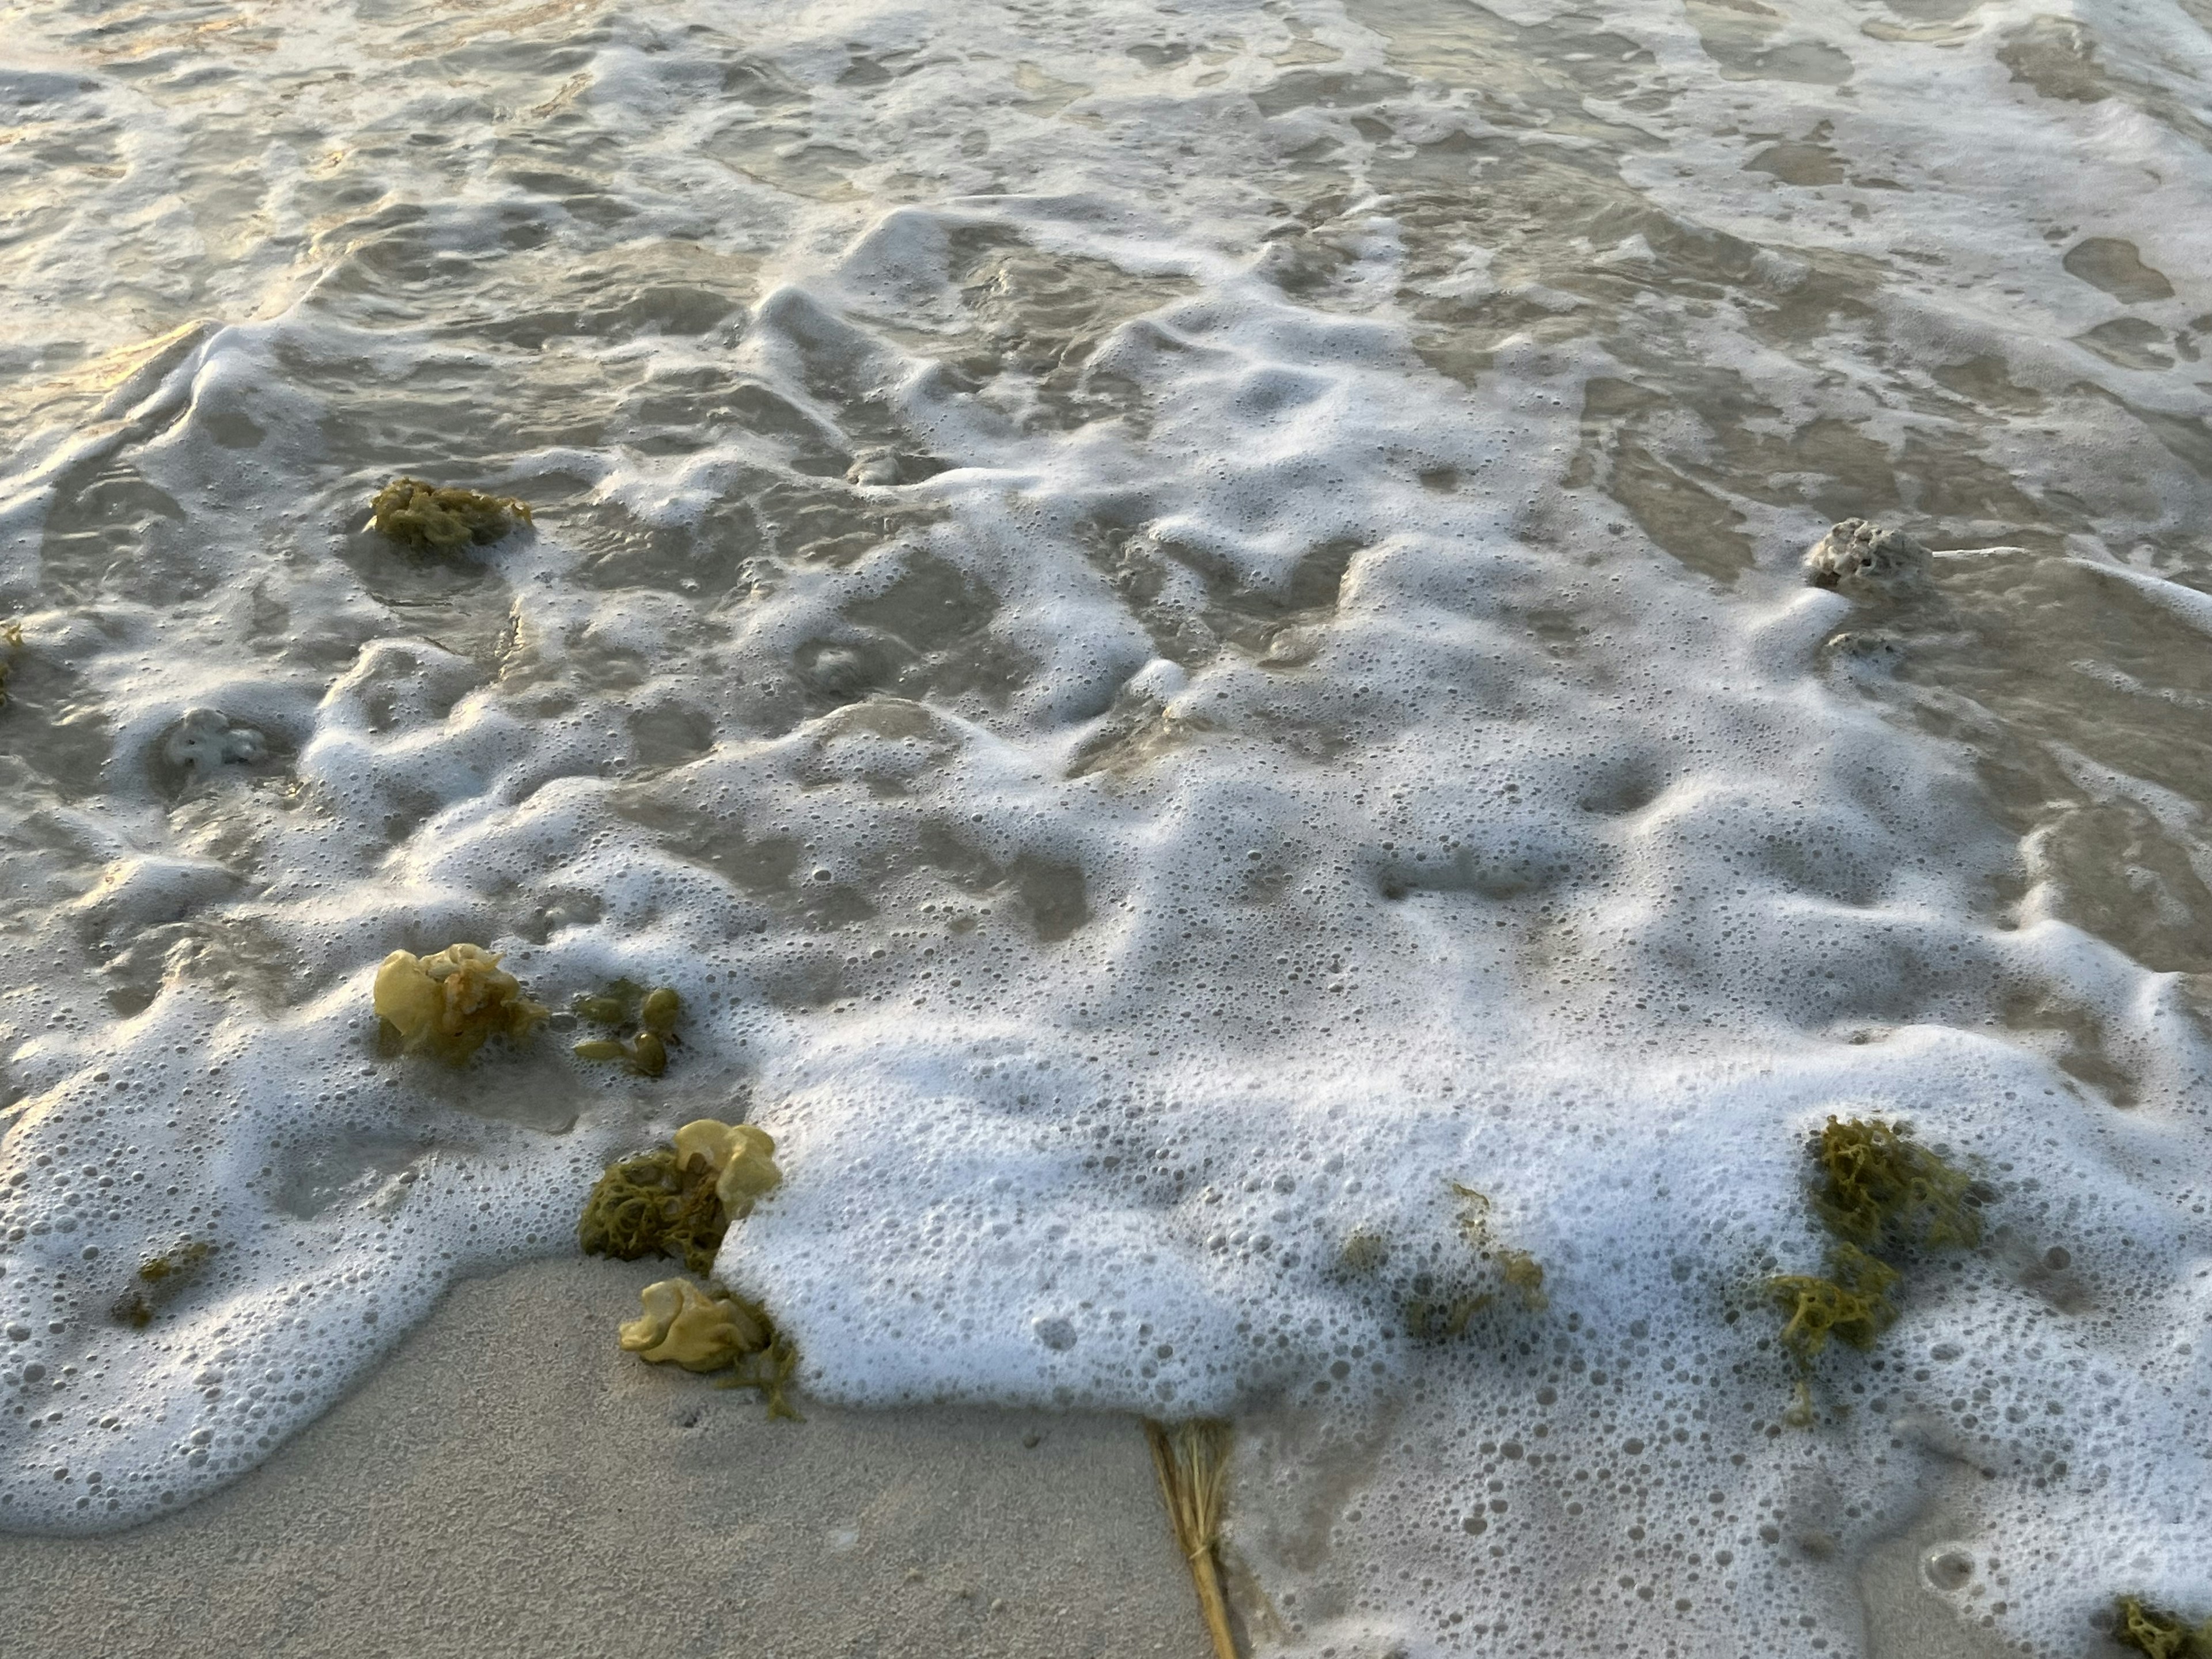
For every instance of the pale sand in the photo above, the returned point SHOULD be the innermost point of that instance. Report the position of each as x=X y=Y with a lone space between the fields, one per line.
x=510 y=1483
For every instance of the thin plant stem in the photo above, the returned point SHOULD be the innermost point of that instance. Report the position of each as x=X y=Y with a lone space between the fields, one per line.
x=1192 y=1460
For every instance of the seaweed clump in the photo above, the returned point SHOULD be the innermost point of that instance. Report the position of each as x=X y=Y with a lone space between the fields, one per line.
x=1443 y=1311
x=709 y=1330
x=1879 y=1192
x=431 y=516
x=2161 y=1635
x=159 y=1280
x=625 y=1004
x=1880 y=1187
x=678 y=1200
x=1863 y=561
x=11 y=637
x=451 y=1004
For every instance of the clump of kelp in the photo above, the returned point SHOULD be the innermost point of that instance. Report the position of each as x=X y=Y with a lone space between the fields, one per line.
x=159 y=1278
x=1879 y=1193
x=441 y=519
x=451 y=1004
x=2161 y=1634
x=1192 y=1461
x=678 y=1200
x=641 y=1024
x=1439 y=1306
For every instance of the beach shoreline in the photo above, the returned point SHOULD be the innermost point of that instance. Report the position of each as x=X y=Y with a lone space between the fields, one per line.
x=510 y=1483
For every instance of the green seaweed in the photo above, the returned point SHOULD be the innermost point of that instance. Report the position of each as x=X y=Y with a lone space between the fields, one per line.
x=1877 y=1189
x=1851 y=1302
x=159 y=1280
x=678 y=1200
x=625 y=1002
x=1521 y=1271
x=655 y=1204
x=767 y=1371
x=1441 y=1306
x=2161 y=1634
x=440 y=519
x=616 y=1005
x=1880 y=1186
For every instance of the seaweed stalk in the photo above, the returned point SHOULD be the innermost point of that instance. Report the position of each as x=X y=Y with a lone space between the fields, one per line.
x=1192 y=1460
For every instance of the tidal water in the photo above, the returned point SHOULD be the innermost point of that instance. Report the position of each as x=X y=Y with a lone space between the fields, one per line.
x=1183 y=626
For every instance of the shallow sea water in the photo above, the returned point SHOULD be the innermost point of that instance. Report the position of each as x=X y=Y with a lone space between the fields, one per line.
x=1183 y=627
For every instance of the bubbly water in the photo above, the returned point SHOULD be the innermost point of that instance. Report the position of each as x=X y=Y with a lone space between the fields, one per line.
x=1182 y=626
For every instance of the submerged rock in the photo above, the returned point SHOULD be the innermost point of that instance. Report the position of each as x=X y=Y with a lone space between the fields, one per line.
x=205 y=741
x=1863 y=561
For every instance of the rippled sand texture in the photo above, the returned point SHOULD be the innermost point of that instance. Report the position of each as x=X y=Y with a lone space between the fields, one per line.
x=1182 y=631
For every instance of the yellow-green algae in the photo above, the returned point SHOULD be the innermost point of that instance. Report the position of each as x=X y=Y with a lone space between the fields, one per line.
x=1445 y=1311
x=679 y=1200
x=2161 y=1634
x=625 y=1002
x=451 y=1004
x=654 y=1204
x=434 y=517
x=684 y=1325
x=11 y=636
x=159 y=1278
x=1877 y=1189
x=1880 y=1186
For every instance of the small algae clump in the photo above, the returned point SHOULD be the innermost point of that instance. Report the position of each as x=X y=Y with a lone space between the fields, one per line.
x=1880 y=1186
x=1441 y=1307
x=709 y=1330
x=1878 y=1192
x=623 y=1005
x=158 y=1281
x=652 y=1205
x=2161 y=1635
x=684 y=1325
x=11 y=638
x=678 y=1200
x=1852 y=1302
x=451 y=1004
x=426 y=515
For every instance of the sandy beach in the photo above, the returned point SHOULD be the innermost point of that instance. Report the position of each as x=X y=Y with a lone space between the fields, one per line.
x=510 y=1483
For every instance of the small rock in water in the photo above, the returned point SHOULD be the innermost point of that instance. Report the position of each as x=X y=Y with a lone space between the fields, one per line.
x=206 y=741
x=873 y=466
x=1863 y=561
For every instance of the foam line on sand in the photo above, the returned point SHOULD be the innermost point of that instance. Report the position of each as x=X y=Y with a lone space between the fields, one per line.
x=511 y=1484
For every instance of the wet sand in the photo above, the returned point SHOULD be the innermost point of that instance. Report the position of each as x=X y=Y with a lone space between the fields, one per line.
x=511 y=1484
